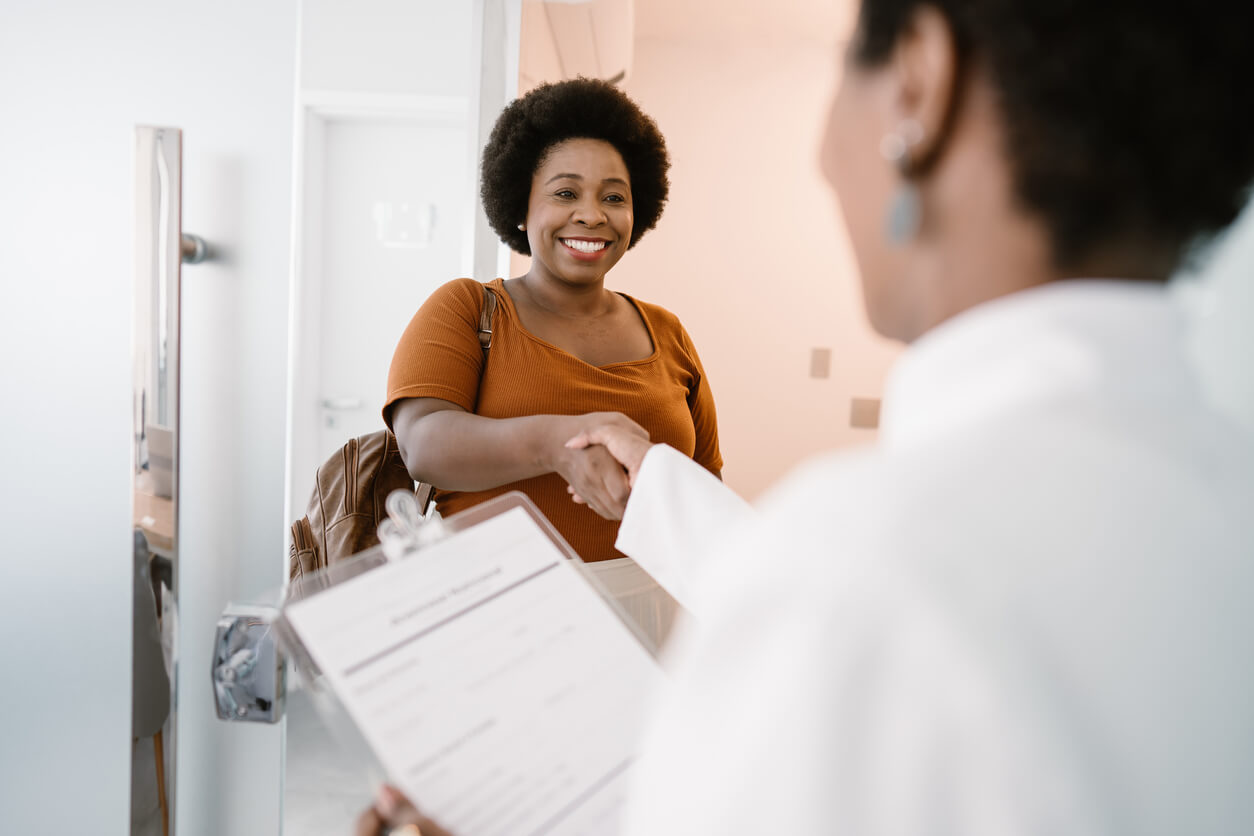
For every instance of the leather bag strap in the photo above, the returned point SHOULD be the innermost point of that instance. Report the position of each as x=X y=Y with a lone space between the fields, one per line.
x=485 y=320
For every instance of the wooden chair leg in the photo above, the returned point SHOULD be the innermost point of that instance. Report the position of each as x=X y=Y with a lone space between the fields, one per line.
x=165 y=811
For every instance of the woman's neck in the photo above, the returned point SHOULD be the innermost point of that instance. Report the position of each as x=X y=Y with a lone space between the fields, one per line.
x=566 y=299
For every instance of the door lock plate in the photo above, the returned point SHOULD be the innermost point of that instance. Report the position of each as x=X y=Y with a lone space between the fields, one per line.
x=248 y=673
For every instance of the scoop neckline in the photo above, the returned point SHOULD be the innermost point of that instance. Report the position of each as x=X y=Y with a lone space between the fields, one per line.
x=499 y=284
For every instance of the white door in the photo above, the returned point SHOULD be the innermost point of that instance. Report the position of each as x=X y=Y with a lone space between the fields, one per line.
x=394 y=202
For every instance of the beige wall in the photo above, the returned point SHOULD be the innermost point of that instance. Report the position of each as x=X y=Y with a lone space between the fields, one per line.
x=751 y=253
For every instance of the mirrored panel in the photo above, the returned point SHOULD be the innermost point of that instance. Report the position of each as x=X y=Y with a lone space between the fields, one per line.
x=154 y=473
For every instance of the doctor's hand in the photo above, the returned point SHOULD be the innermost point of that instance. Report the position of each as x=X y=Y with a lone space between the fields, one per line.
x=595 y=479
x=627 y=447
x=393 y=813
x=591 y=471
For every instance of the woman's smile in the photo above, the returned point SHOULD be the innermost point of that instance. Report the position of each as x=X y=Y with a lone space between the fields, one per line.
x=585 y=249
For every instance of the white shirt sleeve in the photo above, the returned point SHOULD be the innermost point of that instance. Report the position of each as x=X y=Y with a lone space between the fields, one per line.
x=677 y=508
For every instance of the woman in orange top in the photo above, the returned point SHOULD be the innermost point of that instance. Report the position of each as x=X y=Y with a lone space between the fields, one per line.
x=573 y=175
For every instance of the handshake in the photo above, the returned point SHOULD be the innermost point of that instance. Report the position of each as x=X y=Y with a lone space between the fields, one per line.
x=601 y=461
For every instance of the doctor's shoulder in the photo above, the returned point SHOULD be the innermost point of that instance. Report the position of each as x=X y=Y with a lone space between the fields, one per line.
x=830 y=491
x=868 y=504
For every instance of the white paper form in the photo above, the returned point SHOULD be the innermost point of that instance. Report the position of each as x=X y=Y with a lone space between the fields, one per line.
x=497 y=688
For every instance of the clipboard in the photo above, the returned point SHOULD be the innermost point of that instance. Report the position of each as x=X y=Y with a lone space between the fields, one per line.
x=492 y=678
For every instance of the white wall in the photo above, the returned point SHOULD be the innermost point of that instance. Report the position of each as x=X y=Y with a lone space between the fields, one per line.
x=75 y=77
x=403 y=47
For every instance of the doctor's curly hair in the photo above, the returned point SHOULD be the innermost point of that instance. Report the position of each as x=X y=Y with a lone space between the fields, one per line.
x=581 y=108
x=1126 y=123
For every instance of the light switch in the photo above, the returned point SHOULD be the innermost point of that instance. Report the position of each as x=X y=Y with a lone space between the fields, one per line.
x=864 y=413
x=820 y=362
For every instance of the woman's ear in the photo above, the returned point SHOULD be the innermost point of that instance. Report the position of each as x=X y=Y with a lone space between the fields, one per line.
x=924 y=66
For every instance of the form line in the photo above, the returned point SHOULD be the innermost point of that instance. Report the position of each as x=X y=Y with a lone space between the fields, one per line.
x=370 y=660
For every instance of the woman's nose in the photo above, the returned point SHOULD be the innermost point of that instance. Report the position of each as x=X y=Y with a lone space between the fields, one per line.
x=590 y=213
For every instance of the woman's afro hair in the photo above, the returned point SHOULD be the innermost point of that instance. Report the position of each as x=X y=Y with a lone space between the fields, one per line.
x=581 y=108
x=1126 y=122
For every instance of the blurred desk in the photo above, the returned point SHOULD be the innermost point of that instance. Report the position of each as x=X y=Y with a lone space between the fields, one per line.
x=154 y=515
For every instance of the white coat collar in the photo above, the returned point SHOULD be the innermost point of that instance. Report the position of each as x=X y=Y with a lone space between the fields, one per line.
x=1079 y=337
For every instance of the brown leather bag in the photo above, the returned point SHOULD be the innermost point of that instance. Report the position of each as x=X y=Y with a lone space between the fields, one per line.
x=352 y=486
x=347 y=503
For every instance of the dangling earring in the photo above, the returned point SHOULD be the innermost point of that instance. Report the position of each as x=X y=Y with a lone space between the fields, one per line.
x=904 y=211
x=522 y=227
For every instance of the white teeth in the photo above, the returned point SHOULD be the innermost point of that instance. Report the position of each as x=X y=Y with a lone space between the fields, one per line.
x=586 y=246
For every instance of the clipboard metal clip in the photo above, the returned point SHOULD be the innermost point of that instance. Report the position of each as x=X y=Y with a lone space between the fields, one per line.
x=407 y=528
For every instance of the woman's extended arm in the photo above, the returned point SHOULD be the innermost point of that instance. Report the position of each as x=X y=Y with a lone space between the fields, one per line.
x=446 y=446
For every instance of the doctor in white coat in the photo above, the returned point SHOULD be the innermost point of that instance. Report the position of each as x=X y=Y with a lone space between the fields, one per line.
x=1029 y=608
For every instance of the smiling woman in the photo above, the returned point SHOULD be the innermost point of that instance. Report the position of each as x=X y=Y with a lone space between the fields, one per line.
x=573 y=175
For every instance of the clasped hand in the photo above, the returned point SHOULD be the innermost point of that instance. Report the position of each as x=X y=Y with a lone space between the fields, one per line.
x=592 y=473
x=604 y=457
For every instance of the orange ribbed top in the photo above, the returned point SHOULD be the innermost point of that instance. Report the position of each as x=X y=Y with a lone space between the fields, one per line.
x=666 y=393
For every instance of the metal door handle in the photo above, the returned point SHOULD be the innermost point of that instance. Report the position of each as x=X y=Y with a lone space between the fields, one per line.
x=342 y=403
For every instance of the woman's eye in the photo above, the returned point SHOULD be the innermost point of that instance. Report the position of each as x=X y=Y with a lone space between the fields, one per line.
x=615 y=198
x=566 y=193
